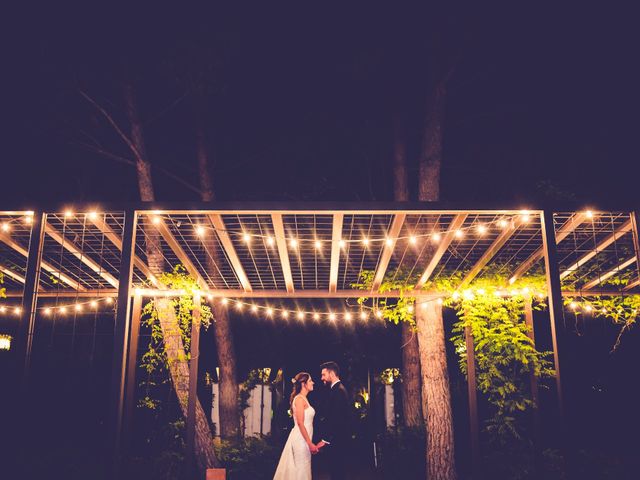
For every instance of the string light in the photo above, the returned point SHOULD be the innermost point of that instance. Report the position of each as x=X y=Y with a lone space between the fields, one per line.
x=200 y=230
x=156 y=220
x=440 y=301
x=348 y=316
x=28 y=220
x=6 y=227
x=342 y=243
x=270 y=241
x=318 y=244
x=389 y=242
x=481 y=229
x=459 y=234
x=300 y=315
x=365 y=241
x=293 y=243
x=239 y=306
x=316 y=316
x=410 y=308
x=78 y=307
x=413 y=240
x=589 y=214
x=503 y=223
x=224 y=301
x=269 y=311
x=436 y=237
x=68 y=213
x=109 y=300
x=285 y=314
x=246 y=237
x=17 y=310
x=93 y=215
x=363 y=315
x=332 y=316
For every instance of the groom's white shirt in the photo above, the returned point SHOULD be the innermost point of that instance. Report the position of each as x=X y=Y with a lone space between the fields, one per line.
x=333 y=383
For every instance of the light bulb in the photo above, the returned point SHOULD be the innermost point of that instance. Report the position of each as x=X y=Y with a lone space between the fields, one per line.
x=17 y=310
x=459 y=234
x=109 y=300
x=503 y=223
x=285 y=314
x=254 y=308
x=3 y=309
x=435 y=238
x=332 y=316
x=293 y=243
x=63 y=310
x=6 y=227
x=389 y=242
x=156 y=220
x=47 y=311
x=318 y=244
x=363 y=315
x=93 y=215
x=365 y=241
x=238 y=306
x=224 y=301
x=342 y=244
x=573 y=305
x=481 y=229
x=269 y=311
x=68 y=213
x=270 y=241
x=440 y=301
x=410 y=308
x=589 y=214
x=300 y=315
x=413 y=240
x=348 y=316
x=246 y=237
x=28 y=220
x=78 y=307
x=93 y=304
x=379 y=313
x=316 y=316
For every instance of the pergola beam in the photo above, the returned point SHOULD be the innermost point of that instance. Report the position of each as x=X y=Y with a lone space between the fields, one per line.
x=336 y=236
x=570 y=225
x=221 y=229
x=113 y=236
x=617 y=269
x=6 y=239
x=79 y=254
x=624 y=229
x=177 y=249
x=281 y=243
x=385 y=258
x=10 y=273
x=495 y=247
x=446 y=240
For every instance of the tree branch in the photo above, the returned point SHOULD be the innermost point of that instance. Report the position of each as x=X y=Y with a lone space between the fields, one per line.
x=113 y=123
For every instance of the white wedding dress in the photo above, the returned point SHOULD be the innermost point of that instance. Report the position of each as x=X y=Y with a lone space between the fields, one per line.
x=295 y=461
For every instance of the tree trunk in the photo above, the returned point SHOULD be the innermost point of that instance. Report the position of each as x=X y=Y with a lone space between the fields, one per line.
x=179 y=371
x=410 y=389
x=228 y=388
x=431 y=151
x=176 y=357
x=436 y=398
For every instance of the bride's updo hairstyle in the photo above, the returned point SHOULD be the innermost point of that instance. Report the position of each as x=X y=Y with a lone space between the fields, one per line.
x=299 y=380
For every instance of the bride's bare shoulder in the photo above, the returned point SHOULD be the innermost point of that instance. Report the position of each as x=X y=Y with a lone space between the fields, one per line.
x=300 y=401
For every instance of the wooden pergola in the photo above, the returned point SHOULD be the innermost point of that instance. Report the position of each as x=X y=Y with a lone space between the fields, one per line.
x=301 y=251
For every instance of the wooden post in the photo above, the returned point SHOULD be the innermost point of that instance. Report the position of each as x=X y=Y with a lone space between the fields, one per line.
x=29 y=298
x=554 y=293
x=132 y=365
x=635 y=223
x=473 y=403
x=528 y=317
x=556 y=315
x=121 y=336
x=194 y=355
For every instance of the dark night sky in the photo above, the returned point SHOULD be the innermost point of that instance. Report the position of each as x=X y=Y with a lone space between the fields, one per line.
x=543 y=102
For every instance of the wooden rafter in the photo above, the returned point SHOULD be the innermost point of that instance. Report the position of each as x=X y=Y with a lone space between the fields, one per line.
x=221 y=229
x=336 y=236
x=445 y=241
x=281 y=242
x=617 y=269
x=43 y=264
x=164 y=231
x=79 y=254
x=116 y=239
x=495 y=247
x=385 y=258
x=624 y=229
x=632 y=284
x=10 y=273
x=570 y=225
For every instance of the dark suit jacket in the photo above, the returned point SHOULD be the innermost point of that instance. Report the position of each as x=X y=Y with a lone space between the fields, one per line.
x=337 y=418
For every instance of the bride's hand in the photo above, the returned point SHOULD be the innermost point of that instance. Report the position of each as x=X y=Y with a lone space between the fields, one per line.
x=313 y=449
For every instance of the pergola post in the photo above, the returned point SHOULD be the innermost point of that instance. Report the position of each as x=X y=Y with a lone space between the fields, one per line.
x=528 y=318
x=554 y=293
x=121 y=335
x=30 y=297
x=132 y=365
x=472 y=391
x=194 y=356
x=635 y=219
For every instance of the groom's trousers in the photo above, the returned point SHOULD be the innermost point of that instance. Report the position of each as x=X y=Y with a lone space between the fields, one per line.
x=338 y=462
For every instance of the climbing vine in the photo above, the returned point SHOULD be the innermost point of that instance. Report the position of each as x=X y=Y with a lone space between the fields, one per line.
x=492 y=309
x=155 y=361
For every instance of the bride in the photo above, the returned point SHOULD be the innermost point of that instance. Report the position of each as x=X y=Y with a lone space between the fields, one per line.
x=295 y=462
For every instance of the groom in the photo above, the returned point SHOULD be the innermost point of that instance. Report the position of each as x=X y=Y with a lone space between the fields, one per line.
x=335 y=439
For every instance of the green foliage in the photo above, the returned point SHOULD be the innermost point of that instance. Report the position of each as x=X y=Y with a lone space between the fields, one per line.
x=389 y=375
x=251 y=458
x=505 y=355
x=154 y=360
x=492 y=310
x=620 y=309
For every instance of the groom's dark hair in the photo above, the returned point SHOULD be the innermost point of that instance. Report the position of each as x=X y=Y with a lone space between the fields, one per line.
x=332 y=366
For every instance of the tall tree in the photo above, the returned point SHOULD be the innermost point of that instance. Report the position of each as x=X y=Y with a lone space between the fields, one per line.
x=174 y=348
x=436 y=396
x=228 y=386
x=411 y=405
